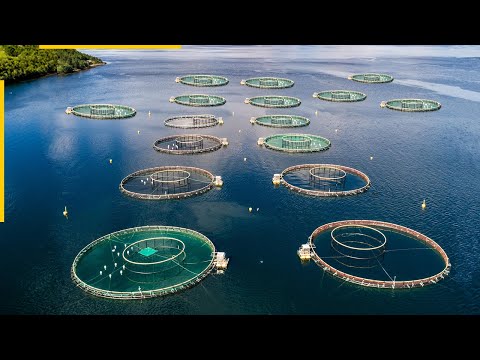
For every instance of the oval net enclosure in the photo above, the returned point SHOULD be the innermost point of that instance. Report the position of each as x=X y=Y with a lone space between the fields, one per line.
x=411 y=105
x=167 y=182
x=371 y=78
x=281 y=121
x=340 y=95
x=143 y=262
x=103 y=111
x=191 y=121
x=198 y=100
x=202 y=80
x=273 y=101
x=377 y=254
x=324 y=180
x=296 y=143
x=268 y=83
x=188 y=144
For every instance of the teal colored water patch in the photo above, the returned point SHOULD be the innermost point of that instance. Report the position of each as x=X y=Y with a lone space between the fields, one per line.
x=147 y=251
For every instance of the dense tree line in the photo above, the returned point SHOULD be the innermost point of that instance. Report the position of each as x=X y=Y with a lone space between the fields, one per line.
x=21 y=62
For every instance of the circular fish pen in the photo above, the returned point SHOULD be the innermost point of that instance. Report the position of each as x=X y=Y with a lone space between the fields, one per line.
x=143 y=262
x=167 y=182
x=103 y=111
x=411 y=105
x=198 y=100
x=188 y=144
x=375 y=253
x=296 y=143
x=192 y=121
x=324 y=180
x=372 y=78
x=268 y=83
x=202 y=80
x=281 y=121
x=340 y=95
x=273 y=101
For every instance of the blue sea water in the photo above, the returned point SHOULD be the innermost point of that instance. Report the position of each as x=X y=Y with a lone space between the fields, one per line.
x=53 y=159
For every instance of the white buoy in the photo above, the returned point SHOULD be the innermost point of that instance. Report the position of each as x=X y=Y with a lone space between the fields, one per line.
x=121 y=272
x=239 y=131
x=111 y=161
x=250 y=209
x=65 y=212
x=100 y=272
x=258 y=209
x=113 y=250
x=115 y=264
x=104 y=267
x=261 y=261
x=244 y=159
x=123 y=266
x=118 y=254
x=233 y=113
x=371 y=157
x=316 y=112
x=139 y=288
x=138 y=131
x=336 y=130
x=149 y=113
x=110 y=276
x=128 y=252
x=424 y=204
x=124 y=245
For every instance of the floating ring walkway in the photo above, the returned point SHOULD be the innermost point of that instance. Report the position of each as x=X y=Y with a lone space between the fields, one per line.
x=188 y=144
x=143 y=262
x=202 y=80
x=411 y=105
x=330 y=177
x=280 y=121
x=192 y=121
x=273 y=101
x=198 y=100
x=102 y=111
x=268 y=83
x=295 y=143
x=340 y=95
x=371 y=78
x=378 y=226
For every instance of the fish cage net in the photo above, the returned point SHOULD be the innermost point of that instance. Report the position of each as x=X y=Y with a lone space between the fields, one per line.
x=372 y=78
x=282 y=121
x=340 y=95
x=412 y=105
x=143 y=262
x=268 y=83
x=167 y=182
x=198 y=100
x=202 y=80
x=188 y=144
x=273 y=101
x=103 y=111
x=297 y=143
x=192 y=121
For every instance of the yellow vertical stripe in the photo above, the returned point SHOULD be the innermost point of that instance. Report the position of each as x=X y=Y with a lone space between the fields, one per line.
x=2 y=149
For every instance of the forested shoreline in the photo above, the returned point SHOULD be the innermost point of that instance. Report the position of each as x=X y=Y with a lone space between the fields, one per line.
x=23 y=62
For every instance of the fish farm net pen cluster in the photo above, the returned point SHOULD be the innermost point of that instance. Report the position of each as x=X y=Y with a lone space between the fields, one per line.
x=411 y=105
x=188 y=144
x=371 y=78
x=102 y=111
x=268 y=83
x=340 y=95
x=202 y=80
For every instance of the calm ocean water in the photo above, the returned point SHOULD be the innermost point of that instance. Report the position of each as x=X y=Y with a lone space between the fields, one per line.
x=53 y=159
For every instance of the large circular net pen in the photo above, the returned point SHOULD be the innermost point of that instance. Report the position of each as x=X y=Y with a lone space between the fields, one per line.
x=340 y=95
x=324 y=180
x=371 y=78
x=102 y=111
x=143 y=262
x=167 y=182
x=296 y=143
x=376 y=254
x=268 y=83
x=273 y=101
x=281 y=121
x=192 y=121
x=188 y=144
x=198 y=100
x=202 y=80
x=411 y=105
